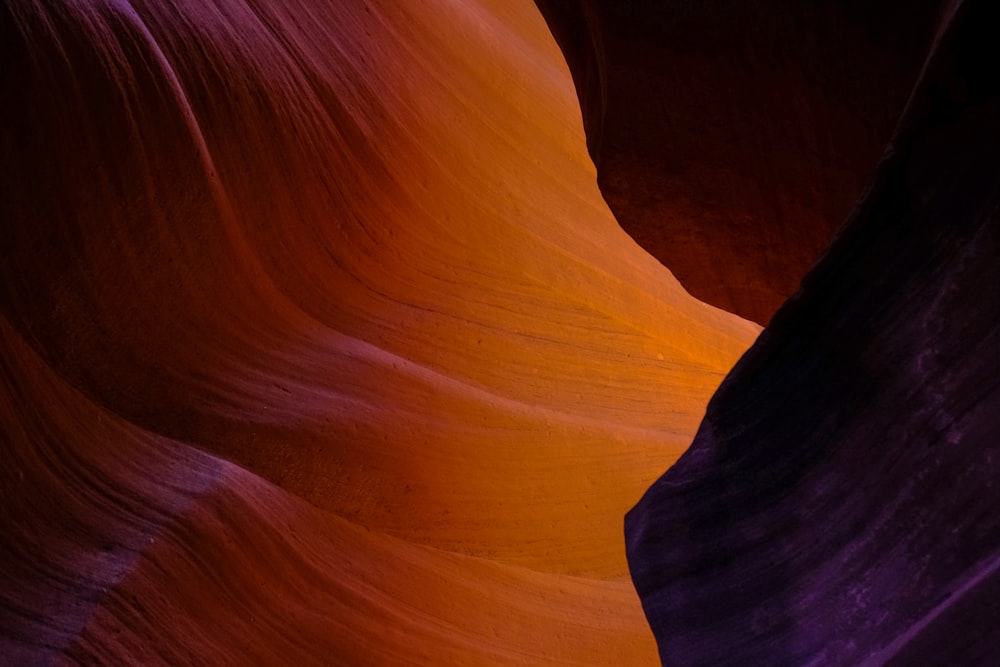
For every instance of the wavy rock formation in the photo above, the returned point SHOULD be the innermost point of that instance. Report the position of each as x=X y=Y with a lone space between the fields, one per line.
x=838 y=505
x=732 y=139
x=319 y=344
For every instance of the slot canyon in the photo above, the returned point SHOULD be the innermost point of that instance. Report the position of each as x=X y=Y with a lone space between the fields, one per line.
x=500 y=332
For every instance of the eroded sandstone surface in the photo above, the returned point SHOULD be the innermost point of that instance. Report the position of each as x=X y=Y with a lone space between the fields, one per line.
x=838 y=504
x=319 y=343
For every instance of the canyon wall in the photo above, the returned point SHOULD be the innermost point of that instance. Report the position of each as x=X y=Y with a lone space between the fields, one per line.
x=837 y=506
x=733 y=139
x=319 y=343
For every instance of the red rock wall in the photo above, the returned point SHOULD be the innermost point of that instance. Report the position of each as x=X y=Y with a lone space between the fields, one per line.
x=733 y=139
x=320 y=343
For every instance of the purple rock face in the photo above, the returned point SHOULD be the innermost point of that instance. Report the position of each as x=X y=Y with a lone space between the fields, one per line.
x=839 y=503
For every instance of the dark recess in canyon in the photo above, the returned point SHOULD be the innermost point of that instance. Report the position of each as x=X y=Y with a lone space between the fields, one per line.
x=838 y=505
x=733 y=138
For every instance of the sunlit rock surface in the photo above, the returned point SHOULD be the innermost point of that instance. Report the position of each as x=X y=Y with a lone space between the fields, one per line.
x=839 y=503
x=732 y=139
x=319 y=343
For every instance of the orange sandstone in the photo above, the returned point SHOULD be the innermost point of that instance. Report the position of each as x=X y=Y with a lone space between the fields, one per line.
x=327 y=297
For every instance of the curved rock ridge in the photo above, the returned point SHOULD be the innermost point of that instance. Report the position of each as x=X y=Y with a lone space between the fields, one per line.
x=732 y=139
x=838 y=505
x=133 y=549
x=319 y=342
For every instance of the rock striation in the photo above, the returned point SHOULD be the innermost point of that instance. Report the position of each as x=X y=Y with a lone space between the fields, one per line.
x=319 y=343
x=838 y=504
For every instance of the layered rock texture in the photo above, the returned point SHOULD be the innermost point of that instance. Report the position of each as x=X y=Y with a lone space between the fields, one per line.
x=319 y=343
x=321 y=346
x=838 y=505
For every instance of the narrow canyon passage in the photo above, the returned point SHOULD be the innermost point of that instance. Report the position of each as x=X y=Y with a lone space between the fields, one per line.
x=320 y=344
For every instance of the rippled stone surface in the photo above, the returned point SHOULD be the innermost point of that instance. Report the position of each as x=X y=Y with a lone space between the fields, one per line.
x=319 y=343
